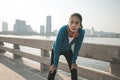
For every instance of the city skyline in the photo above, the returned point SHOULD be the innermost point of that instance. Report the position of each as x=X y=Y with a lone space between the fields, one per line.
x=101 y=14
x=20 y=28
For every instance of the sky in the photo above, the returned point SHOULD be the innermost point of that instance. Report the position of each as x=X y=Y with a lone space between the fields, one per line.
x=103 y=15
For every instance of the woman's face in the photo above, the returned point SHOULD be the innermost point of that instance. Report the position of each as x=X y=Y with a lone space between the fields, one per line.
x=74 y=23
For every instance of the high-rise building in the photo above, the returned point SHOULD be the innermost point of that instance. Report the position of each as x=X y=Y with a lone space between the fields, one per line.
x=92 y=31
x=42 y=29
x=21 y=27
x=48 y=25
x=4 y=26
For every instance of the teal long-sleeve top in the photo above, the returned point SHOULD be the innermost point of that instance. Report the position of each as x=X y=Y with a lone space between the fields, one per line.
x=62 y=44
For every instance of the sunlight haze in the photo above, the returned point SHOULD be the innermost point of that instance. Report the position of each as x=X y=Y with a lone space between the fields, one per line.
x=103 y=15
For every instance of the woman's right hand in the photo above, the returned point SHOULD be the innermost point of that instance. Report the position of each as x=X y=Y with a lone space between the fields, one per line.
x=52 y=68
x=73 y=66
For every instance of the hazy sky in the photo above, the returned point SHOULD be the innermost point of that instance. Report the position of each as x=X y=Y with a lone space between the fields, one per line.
x=103 y=15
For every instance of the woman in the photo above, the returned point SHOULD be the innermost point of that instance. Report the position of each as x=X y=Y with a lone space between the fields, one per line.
x=68 y=43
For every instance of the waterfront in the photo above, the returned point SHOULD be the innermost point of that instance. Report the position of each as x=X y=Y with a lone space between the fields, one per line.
x=95 y=40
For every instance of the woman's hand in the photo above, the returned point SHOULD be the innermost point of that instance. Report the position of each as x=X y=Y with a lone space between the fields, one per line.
x=73 y=66
x=52 y=68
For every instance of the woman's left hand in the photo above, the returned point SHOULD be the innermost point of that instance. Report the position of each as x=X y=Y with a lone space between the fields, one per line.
x=52 y=68
x=73 y=66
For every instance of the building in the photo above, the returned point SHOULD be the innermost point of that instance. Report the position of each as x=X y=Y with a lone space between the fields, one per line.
x=29 y=29
x=87 y=32
x=92 y=31
x=20 y=27
x=48 y=25
x=4 y=26
x=42 y=29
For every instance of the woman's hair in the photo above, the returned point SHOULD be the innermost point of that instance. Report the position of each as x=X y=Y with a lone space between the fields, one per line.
x=79 y=17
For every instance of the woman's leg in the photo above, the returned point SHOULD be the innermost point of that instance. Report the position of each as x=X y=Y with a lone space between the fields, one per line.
x=51 y=76
x=74 y=74
x=68 y=57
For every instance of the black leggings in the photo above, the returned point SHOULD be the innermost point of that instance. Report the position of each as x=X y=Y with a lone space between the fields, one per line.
x=68 y=57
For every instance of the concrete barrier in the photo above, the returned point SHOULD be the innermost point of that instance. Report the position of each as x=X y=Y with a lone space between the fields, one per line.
x=107 y=53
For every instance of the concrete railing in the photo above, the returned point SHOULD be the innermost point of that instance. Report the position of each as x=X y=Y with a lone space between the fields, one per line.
x=107 y=53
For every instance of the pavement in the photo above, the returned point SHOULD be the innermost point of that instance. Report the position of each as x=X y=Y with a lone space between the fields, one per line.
x=11 y=69
x=15 y=69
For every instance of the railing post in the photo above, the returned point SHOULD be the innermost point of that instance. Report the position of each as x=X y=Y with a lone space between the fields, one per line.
x=15 y=56
x=115 y=69
x=1 y=50
x=44 y=53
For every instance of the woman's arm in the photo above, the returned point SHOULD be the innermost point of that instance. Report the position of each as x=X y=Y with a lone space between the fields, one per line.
x=57 y=46
x=78 y=46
